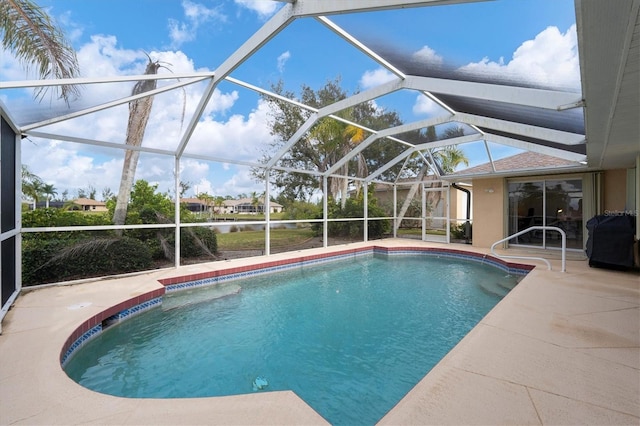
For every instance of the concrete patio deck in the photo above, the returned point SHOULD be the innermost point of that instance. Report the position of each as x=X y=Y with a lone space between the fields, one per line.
x=561 y=348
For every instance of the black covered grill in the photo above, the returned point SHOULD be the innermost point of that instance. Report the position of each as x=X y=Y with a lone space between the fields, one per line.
x=611 y=241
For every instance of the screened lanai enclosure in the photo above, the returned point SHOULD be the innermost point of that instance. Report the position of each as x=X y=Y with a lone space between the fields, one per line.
x=381 y=134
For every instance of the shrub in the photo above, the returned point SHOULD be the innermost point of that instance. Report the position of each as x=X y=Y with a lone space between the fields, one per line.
x=52 y=217
x=458 y=231
x=200 y=241
x=300 y=210
x=47 y=261
x=354 y=229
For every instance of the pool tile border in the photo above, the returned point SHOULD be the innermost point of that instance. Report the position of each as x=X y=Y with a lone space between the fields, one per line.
x=94 y=325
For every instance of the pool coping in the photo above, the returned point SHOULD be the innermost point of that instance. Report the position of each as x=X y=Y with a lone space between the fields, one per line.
x=35 y=389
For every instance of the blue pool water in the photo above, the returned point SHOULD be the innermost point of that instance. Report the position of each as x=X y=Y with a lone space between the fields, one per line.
x=351 y=338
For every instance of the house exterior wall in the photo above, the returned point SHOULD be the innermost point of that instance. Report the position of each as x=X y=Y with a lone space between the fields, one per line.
x=93 y=208
x=614 y=190
x=488 y=205
x=458 y=206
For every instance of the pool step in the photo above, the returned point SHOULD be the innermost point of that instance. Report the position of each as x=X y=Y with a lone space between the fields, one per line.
x=498 y=288
x=201 y=295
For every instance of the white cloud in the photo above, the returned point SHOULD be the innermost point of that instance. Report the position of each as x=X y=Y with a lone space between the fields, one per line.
x=239 y=138
x=427 y=55
x=264 y=8
x=196 y=15
x=102 y=57
x=425 y=106
x=375 y=78
x=282 y=59
x=72 y=29
x=241 y=182
x=550 y=59
x=71 y=166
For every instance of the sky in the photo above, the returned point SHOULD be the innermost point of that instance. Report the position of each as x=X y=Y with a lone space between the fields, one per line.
x=532 y=39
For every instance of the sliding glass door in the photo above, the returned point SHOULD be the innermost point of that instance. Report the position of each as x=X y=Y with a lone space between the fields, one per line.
x=549 y=202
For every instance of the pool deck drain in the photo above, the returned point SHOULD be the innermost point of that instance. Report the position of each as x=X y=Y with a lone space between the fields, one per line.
x=561 y=348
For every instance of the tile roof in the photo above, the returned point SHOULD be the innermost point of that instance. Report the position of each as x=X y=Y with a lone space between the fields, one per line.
x=88 y=202
x=522 y=161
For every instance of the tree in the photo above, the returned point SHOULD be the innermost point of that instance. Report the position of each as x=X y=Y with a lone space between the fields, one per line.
x=255 y=201
x=32 y=185
x=219 y=203
x=35 y=40
x=49 y=191
x=450 y=157
x=429 y=135
x=446 y=160
x=208 y=200
x=325 y=144
x=184 y=187
x=107 y=194
x=139 y=112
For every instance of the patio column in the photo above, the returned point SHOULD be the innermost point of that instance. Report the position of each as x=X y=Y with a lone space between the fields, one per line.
x=266 y=206
x=395 y=210
x=325 y=213
x=366 y=212
x=177 y=212
x=424 y=213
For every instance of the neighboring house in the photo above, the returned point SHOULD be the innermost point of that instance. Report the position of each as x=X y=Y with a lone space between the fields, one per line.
x=89 y=205
x=247 y=206
x=242 y=205
x=196 y=205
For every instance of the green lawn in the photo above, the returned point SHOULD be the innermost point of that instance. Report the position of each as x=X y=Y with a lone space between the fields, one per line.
x=418 y=231
x=253 y=240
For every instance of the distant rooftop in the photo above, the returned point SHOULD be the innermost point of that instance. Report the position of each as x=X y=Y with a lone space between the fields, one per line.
x=523 y=161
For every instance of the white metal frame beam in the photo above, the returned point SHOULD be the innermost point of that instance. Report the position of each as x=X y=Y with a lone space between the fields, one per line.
x=303 y=8
x=416 y=125
x=269 y=30
x=539 y=98
x=533 y=147
x=543 y=133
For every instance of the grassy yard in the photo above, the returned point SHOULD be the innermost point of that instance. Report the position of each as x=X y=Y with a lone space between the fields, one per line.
x=252 y=240
x=418 y=231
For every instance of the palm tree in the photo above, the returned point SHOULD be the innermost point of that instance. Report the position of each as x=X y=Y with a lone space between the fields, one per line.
x=33 y=189
x=255 y=201
x=351 y=136
x=447 y=159
x=219 y=203
x=31 y=185
x=35 y=40
x=208 y=199
x=139 y=112
x=49 y=191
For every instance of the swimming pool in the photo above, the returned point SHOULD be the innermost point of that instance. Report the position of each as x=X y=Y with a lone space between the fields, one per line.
x=351 y=348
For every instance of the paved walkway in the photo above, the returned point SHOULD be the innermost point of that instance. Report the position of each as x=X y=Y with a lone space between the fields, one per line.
x=561 y=348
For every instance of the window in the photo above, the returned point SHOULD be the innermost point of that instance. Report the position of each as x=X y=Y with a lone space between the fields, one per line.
x=552 y=202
